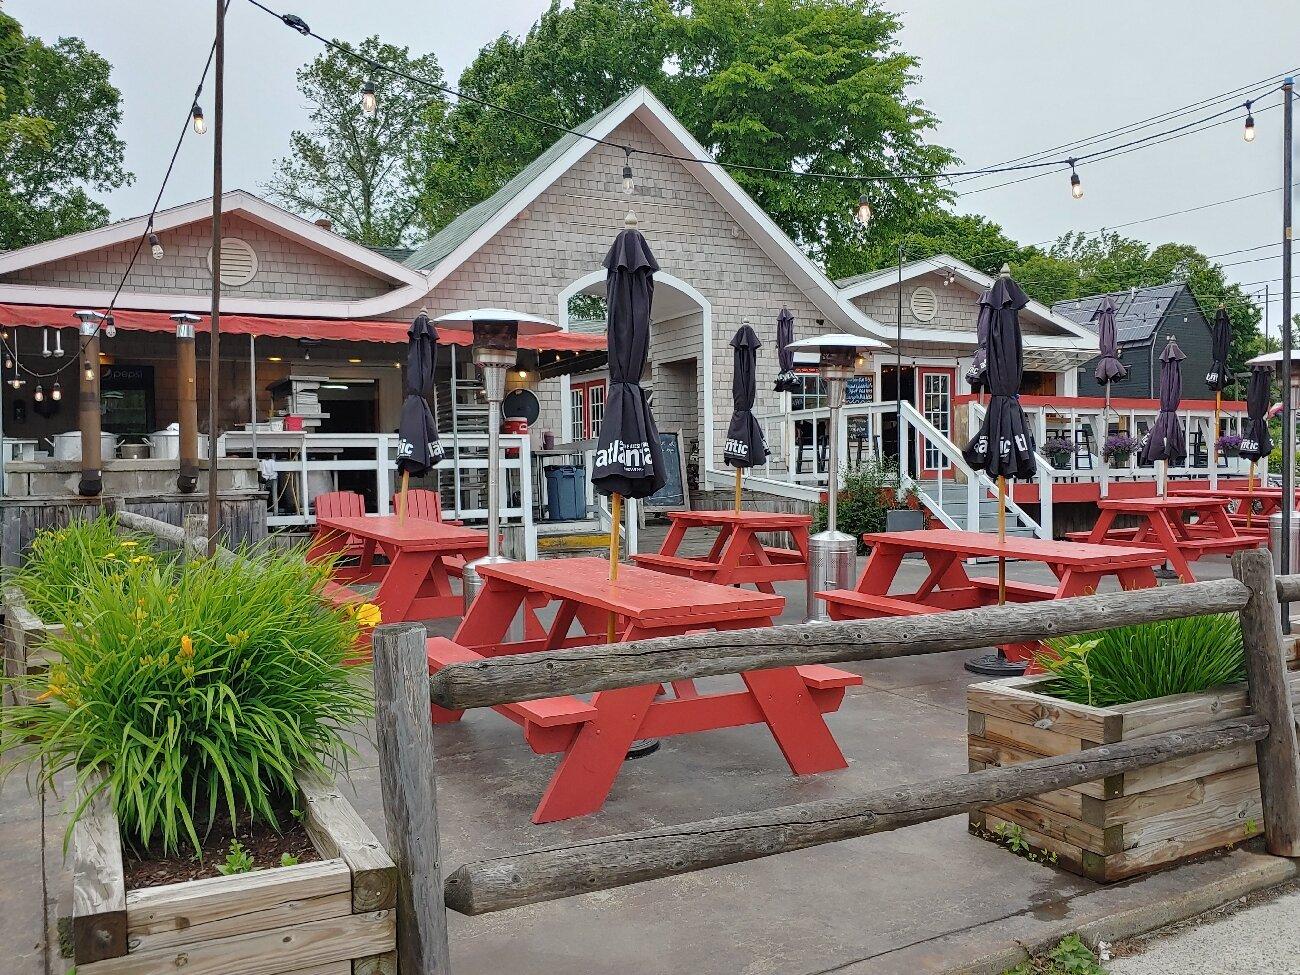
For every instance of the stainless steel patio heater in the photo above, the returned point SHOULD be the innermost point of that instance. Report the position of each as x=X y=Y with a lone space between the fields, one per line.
x=832 y=553
x=496 y=347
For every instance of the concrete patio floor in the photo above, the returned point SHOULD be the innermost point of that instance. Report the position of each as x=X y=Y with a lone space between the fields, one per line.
x=930 y=898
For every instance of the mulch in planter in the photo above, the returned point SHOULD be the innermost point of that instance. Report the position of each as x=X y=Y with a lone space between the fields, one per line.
x=152 y=868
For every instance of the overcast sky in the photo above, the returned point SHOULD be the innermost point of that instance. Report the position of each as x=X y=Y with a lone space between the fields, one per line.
x=1006 y=77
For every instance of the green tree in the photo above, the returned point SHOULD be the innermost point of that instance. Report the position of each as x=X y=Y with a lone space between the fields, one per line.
x=363 y=172
x=59 y=115
x=785 y=84
x=574 y=62
x=976 y=240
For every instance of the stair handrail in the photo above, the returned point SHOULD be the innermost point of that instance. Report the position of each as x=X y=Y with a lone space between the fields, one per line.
x=981 y=477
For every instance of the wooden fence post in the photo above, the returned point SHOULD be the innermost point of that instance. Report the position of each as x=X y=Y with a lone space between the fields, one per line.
x=195 y=538
x=1266 y=680
x=406 y=765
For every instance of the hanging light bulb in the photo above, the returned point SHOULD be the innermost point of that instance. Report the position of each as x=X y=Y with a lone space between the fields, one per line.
x=9 y=363
x=629 y=186
x=863 y=213
x=369 y=100
x=1076 y=184
x=200 y=123
x=1249 y=132
x=110 y=326
x=155 y=246
x=39 y=394
x=90 y=373
x=56 y=392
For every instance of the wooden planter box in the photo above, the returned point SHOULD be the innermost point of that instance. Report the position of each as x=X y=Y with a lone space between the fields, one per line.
x=333 y=917
x=1125 y=824
x=25 y=637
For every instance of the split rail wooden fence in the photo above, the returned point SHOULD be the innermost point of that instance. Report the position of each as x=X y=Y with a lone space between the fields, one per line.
x=404 y=690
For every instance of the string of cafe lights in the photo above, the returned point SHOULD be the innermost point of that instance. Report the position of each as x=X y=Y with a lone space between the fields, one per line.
x=193 y=121
x=862 y=212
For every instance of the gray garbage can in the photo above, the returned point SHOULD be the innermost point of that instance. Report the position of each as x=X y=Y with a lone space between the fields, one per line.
x=566 y=495
x=1275 y=541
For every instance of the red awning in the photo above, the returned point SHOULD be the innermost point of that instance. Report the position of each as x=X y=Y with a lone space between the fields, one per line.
x=325 y=329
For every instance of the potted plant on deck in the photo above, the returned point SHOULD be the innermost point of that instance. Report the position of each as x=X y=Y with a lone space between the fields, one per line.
x=1058 y=450
x=1228 y=445
x=1113 y=686
x=194 y=706
x=1118 y=448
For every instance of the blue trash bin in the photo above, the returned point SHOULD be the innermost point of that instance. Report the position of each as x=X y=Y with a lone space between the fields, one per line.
x=566 y=495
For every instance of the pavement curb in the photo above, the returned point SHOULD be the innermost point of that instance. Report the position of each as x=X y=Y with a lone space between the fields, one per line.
x=1108 y=914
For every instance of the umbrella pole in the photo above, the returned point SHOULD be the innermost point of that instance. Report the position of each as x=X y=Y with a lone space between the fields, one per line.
x=615 y=516
x=1250 y=491
x=1002 y=537
x=738 y=490
x=401 y=497
x=1214 y=444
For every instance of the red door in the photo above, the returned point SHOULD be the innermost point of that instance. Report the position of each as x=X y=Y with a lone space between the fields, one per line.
x=934 y=392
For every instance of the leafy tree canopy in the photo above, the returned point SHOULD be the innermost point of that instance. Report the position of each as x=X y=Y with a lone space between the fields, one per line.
x=59 y=115
x=813 y=85
x=363 y=172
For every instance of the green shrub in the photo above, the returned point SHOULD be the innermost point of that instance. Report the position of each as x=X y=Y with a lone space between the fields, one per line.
x=63 y=562
x=869 y=490
x=195 y=687
x=1137 y=663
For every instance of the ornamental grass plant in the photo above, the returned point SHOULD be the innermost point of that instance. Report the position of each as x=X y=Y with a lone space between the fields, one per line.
x=1127 y=664
x=63 y=562
x=194 y=688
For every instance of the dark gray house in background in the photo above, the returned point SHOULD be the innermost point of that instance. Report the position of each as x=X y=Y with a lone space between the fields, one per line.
x=1144 y=319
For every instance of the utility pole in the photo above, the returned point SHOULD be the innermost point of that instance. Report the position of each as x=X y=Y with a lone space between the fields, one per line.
x=214 y=349
x=1288 y=413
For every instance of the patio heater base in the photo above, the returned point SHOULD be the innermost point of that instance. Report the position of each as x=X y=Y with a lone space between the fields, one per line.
x=832 y=559
x=640 y=749
x=996 y=665
x=1164 y=572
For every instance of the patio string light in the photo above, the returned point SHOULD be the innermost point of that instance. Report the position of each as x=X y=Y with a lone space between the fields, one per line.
x=1249 y=132
x=296 y=23
x=629 y=185
x=155 y=246
x=863 y=212
x=369 y=99
x=196 y=116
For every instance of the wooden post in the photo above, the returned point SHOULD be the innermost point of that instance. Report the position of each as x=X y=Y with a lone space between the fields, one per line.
x=406 y=764
x=196 y=535
x=1266 y=681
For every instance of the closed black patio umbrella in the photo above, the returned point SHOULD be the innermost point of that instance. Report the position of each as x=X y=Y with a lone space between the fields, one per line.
x=1109 y=368
x=418 y=449
x=1218 y=377
x=1003 y=447
x=977 y=376
x=1167 y=441
x=745 y=445
x=1257 y=442
x=786 y=381
x=628 y=458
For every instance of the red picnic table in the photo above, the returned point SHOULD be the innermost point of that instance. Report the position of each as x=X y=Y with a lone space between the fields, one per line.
x=1079 y=570
x=595 y=734
x=1245 y=505
x=1164 y=524
x=737 y=555
x=415 y=584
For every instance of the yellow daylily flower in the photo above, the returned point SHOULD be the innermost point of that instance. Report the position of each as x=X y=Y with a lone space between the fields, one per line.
x=187 y=648
x=127 y=543
x=368 y=614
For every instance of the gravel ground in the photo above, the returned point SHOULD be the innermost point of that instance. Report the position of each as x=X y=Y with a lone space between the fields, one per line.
x=1259 y=935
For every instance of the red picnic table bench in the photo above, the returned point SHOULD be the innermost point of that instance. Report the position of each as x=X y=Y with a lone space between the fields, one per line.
x=1079 y=570
x=595 y=734
x=737 y=555
x=422 y=555
x=1164 y=525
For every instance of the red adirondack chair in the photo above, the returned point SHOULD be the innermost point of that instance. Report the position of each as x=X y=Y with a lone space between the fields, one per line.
x=343 y=504
x=425 y=504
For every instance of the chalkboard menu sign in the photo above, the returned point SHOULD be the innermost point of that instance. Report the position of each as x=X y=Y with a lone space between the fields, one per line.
x=673 y=493
x=858 y=390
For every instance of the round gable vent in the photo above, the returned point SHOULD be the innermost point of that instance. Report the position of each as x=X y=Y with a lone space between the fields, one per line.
x=924 y=305
x=238 y=262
